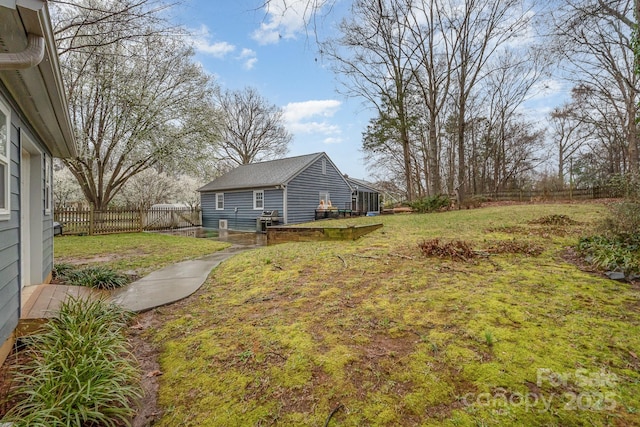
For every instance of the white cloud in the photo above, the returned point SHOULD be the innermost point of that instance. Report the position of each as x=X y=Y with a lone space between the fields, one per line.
x=250 y=63
x=202 y=43
x=332 y=140
x=297 y=111
x=547 y=88
x=313 y=128
x=201 y=40
x=285 y=19
x=249 y=58
x=302 y=118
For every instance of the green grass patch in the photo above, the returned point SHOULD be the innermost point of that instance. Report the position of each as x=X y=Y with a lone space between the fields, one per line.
x=287 y=333
x=139 y=252
x=80 y=371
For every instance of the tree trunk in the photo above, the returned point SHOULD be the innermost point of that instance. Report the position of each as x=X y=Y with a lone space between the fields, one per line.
x=434 y=167
x=632 y=127
x=461 y=160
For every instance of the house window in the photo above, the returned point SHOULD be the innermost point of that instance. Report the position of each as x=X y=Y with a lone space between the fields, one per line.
x=47 y=184
x=5 y=150
x=258 y=199
x=324 y=201
x=324 y=166
x=219 y=201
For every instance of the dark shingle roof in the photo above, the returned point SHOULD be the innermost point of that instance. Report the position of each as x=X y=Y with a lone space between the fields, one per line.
x=263 y=174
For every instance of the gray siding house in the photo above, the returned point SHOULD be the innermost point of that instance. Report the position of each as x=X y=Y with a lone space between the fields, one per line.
x=34 y=128
x=294 y=187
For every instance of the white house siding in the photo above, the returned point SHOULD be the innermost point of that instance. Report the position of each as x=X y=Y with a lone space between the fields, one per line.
x=245 y=218
x=303 y=191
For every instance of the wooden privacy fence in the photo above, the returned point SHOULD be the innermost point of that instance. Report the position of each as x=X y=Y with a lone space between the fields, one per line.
x=89 y=221
x=543 y=195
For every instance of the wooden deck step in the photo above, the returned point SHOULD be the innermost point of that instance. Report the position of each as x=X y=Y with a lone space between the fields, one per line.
x=44 y=303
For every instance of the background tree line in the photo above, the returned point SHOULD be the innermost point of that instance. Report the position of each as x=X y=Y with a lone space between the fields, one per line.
x=448 y=81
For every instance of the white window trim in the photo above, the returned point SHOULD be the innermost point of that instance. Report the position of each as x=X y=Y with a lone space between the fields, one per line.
x=327 y=200
x=48 y=170
x=255 y=205
x=5 y=158
x=218 y=197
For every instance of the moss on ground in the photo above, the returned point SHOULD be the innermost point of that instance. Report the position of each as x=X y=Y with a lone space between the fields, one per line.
x=288 y=333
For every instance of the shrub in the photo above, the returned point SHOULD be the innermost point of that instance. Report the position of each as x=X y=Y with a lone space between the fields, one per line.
x=473 y=202
x=626 y=186
x=612 y=253
x=431 y=203
x=96 y=277
x=624 y=219
x=81 y=372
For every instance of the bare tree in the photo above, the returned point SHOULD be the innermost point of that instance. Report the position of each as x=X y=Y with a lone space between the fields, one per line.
x=510 y=82
x=371 y=57
x=433 y=70
x=481 y=28
x=250 y=128
x=567 y=134
x=597 y=40
x=135 y=94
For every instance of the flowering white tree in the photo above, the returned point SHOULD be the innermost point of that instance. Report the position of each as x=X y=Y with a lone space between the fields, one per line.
x=65 y=188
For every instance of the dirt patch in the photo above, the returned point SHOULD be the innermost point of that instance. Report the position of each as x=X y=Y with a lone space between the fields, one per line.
x=508 y=229
x=148 y=411
x=8 y=378
x=515 y=247
x=92 y=260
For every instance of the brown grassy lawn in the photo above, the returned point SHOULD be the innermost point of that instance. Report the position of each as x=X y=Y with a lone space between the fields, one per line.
x=383 y=335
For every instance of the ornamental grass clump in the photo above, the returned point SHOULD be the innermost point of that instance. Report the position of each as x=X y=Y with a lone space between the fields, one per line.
x=96 y=277
x=80 y=371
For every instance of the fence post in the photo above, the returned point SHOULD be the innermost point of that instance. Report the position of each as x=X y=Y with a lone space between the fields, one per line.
x=91 y=223
x=140 y=222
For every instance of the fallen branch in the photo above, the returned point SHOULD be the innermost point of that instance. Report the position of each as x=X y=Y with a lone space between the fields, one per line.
x=400 y=256
x=366 y=256
x=343 y=261
x=336 y=409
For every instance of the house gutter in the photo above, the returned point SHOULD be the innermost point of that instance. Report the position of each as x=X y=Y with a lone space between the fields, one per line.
x=31 y=56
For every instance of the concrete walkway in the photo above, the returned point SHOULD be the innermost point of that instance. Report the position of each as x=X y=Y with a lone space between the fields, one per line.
x=172 y=283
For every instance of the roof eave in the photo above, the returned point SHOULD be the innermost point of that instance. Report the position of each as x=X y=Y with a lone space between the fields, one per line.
x=243 y=188
x=39 y=91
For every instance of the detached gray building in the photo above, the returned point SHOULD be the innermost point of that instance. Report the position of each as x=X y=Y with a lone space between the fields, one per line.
x=294 y=187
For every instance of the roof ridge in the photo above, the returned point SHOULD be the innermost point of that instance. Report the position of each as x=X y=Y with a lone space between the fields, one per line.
x=283 y=158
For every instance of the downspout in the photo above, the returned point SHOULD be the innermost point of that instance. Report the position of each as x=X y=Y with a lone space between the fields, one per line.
x=31 y=56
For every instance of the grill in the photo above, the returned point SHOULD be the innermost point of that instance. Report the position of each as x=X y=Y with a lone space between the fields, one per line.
x=267 y=219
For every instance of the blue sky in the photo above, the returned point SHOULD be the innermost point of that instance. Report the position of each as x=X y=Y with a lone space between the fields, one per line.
x=242 y=45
